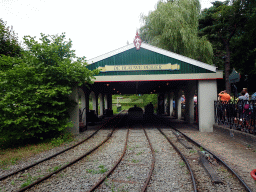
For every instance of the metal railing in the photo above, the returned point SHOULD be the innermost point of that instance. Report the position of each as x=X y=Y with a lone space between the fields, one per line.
x=239 y=115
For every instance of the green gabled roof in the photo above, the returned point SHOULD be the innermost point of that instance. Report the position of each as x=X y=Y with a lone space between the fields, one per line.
x=147 y=55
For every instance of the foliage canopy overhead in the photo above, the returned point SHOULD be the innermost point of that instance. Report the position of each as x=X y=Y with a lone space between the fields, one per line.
x=8 y=40
x=230 y=27
x=174 y=26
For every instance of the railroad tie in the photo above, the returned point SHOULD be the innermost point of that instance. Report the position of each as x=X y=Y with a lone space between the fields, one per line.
x=214 y=177
x=182 y=140
x=185 y=143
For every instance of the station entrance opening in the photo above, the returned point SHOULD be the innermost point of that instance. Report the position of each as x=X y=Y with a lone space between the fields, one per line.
x=140 y=68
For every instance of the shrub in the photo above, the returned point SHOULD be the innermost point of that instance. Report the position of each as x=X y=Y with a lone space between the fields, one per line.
x=35 y=89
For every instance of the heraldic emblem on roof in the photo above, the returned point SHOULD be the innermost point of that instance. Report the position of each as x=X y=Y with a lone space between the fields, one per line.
x=137 y=41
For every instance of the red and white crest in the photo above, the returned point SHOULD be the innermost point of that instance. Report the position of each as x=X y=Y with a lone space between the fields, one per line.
x=137 y=41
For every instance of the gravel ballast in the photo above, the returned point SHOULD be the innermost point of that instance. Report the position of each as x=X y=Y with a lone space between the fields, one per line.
x=83 y=174
x=170 y=172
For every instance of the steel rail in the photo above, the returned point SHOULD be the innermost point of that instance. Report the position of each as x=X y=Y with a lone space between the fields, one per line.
x=113 y=168
x=54 y=155
x=219 y=159
x=184 y=159
x=120 y=159
x=215 y=156
x=152 y=165
x=71 y=163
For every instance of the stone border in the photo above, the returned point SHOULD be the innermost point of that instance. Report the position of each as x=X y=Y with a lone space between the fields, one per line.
x=241 y=137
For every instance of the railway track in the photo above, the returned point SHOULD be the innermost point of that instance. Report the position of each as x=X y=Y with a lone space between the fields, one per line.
x=208 y=171
x=134 y=171
x=138 y=159
x=35 y=173
x=130 y=159
x=118 y=175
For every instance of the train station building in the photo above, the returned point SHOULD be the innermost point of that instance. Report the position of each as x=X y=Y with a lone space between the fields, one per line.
x=140 y=68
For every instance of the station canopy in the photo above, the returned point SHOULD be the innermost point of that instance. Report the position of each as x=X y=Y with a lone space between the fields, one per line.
x=140 y=68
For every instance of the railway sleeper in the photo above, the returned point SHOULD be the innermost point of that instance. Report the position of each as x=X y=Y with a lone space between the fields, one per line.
x=205 y=162
x=182 y=140
x=185 y=143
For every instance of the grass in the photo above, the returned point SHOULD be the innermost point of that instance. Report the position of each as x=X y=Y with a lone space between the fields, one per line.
x=11 y=156
x=201 y=149
x=30 y=180
x=114 y=108
x=135 y=161
x=101 y=169
x=106 y=182
x=61 y=175
x=56 y=168
x=124 y=100
x=192 y=151
x=223 y=170
x=182 y=164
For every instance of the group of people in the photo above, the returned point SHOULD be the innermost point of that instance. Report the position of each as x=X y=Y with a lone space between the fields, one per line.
x=225 y=97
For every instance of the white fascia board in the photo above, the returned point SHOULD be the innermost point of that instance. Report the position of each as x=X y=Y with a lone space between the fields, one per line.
x=110 y=54
x=179 y=57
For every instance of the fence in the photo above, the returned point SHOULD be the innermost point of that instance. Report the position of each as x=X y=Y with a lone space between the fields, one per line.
x=239 y=115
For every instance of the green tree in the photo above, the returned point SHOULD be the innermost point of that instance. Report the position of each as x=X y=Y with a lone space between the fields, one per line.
x=34 y=101
x=243 y=44
x=147 y=98
x=8 y=41
x=220 y=23
x=174 y=26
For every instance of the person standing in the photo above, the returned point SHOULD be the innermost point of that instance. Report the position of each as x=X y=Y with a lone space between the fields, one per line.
x=195 y=99
x=243 y=109
x=246 y=93
x=224 y=96
x=183 y=99
x=243 y=96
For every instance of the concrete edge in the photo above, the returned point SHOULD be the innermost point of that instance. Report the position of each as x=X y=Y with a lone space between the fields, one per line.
x=241 y=137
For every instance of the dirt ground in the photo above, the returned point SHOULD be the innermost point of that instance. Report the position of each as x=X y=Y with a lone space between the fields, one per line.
x=237 y=152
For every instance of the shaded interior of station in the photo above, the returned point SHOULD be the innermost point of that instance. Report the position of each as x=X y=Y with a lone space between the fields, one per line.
x=168 y=91
x=135 y=87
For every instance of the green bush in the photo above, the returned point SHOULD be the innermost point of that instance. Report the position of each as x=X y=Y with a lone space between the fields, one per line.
x=35 y=89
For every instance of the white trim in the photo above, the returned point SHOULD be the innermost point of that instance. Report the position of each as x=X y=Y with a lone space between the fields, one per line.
x=160 y=77
x=110 y=54
x=179 y=57
x=157 y=50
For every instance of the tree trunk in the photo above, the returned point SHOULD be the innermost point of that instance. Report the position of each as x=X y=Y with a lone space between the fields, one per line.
x=227 y=68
